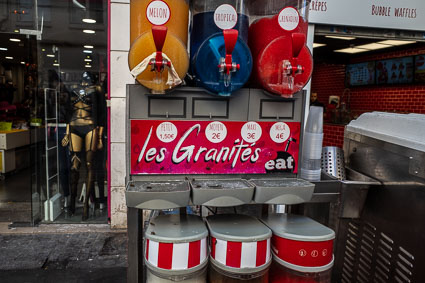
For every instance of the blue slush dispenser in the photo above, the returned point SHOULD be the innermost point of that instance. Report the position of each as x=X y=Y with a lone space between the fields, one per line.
x=221 y=61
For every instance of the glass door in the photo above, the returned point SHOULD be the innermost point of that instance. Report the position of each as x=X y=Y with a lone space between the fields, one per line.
x=18 y=101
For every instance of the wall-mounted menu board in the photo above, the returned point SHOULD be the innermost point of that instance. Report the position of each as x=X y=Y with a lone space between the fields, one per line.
x=394 y=71
x=360 y=74
x=420 y=68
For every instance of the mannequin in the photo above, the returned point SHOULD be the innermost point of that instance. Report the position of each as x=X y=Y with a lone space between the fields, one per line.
x=83 y=132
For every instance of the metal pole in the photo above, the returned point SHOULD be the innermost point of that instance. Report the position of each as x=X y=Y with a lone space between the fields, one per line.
x=135 y=245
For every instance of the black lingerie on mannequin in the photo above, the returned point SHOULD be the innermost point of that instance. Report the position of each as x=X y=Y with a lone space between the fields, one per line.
x=81 y=131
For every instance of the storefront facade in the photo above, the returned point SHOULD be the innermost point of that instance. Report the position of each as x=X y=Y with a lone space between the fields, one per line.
x=58 y=47
x=377 y=22
x=54 y=96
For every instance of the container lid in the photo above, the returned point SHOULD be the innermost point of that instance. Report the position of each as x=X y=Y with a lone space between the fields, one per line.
x=406 y=130
x=298 y=228
x=239 y=228
x=176 y=228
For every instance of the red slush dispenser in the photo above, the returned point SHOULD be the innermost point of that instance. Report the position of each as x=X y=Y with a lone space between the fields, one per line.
x=277 y=36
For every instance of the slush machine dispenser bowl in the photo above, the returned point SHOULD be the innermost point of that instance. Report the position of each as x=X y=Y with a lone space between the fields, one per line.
x=220 y=58
x=158 y=57
x=283 y=64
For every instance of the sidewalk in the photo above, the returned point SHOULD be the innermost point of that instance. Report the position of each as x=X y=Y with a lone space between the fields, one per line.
x=63 y=253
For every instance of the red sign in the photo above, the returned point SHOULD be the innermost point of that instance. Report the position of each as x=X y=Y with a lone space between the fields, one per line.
x=213 y=147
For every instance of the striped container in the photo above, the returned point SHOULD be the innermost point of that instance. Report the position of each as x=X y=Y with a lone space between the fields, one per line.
x=176 y=249
x=240 y=249
x=302 y=249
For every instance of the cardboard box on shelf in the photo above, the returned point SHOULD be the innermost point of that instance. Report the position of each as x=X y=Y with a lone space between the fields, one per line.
x=14 y=138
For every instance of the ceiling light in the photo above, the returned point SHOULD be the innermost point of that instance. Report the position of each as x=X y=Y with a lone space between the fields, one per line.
x=89 y=21
x=340 y=37
x=396 y=42
x=316 y=45
x=16 y=30
x=372 y=46
x=88 y=56
x=89 y=31
x=87 y=60
x=50 y=55
x=23 y=63
x=3 y=48
x=56 y=64
x=88 y=46
x=351 y=50
x=43 y=49
x=56 y=61
x=88 y=66
x=87 y=51
x=8 y=57
x=15 y=40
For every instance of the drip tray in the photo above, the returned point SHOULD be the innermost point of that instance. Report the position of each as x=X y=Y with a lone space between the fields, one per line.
x=157 y=194
x=221 y=193
x=282 y=191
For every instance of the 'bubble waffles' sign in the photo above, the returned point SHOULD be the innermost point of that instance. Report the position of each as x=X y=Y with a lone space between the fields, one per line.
x=205 y=147
x=225 y=16
x=289 y=18
x=158 y=13
x=390 y=14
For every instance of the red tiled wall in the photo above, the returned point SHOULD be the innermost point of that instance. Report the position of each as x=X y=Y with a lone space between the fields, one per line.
x=328 y=79
x=333 y=135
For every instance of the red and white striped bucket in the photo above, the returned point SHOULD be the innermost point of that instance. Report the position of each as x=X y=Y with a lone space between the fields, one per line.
x=241 y=254
x=176 y=245
x=239 y=243
x=176 y=256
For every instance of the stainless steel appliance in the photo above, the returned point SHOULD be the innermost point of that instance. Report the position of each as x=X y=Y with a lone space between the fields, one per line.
x=386 y=242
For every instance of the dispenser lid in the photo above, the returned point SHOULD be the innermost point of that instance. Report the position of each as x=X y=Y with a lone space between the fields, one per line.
x=298 y=228
x=407 y=130
x=238 y=228
x=176 y=228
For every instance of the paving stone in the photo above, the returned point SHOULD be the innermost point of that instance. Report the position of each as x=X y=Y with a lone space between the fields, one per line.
x=63 y=251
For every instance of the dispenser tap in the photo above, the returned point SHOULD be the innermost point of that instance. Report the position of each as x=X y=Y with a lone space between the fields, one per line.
x=159 y=33
x=227 y=66
x=291 y=68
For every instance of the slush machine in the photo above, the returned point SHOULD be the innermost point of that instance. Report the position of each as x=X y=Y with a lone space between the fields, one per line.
x=277 y=36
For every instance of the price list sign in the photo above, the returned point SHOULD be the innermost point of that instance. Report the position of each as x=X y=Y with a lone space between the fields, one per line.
x=213 y=147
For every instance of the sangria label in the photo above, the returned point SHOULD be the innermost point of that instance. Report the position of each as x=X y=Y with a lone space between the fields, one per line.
x=225 y=17
x=289 y=18
x=158 y=13
x=214 y=147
